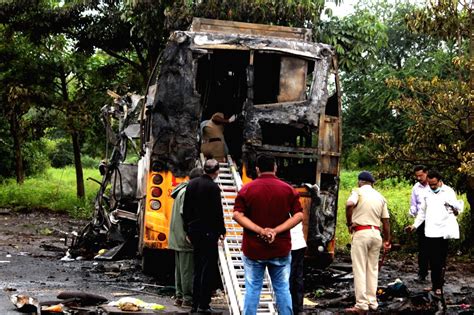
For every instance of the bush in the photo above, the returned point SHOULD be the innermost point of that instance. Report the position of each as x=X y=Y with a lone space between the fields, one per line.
x=62 y=154
x=359 y=156
x=89 y=162
x=35 y=158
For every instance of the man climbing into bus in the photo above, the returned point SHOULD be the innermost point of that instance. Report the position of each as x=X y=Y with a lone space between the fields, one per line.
x=204 y=225
x=267 y=209
x=213 y=142
x=184 y=263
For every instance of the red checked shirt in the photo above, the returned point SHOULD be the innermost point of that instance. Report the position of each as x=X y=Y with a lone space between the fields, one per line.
x=268 y=202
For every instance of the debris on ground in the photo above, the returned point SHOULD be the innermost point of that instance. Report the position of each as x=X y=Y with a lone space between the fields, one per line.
x=25 y=303
x=134 y=304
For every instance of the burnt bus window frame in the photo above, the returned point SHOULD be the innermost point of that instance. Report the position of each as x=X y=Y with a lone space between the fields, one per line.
x=295 y=149
x=216 y=80
x=267 y=66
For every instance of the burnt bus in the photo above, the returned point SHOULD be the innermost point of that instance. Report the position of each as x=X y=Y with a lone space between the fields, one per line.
x=284 y=90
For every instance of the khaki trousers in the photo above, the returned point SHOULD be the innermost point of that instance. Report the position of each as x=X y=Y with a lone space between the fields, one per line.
x=365 y=251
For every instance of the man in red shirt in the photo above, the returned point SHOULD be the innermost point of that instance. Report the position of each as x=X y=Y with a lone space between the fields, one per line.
x=267 y=209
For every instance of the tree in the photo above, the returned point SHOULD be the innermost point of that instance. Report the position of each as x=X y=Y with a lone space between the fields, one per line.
x=20 y=92
x=440 y=110
x=356 y=38
x=52 y=74
x=373 y=44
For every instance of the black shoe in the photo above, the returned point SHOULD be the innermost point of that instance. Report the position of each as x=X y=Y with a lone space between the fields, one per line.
x=193 y=310
x=421 y=278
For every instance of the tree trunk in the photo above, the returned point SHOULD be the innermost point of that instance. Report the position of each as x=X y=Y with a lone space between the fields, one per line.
x=470 y=199
x=470 y=141
x=15 y=132
x=78 y=164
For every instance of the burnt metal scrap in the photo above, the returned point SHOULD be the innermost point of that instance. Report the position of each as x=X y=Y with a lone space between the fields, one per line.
x=115 y=206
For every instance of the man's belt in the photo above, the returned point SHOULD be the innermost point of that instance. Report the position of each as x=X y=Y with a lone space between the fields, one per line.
x=212 y=140
x=365 y=227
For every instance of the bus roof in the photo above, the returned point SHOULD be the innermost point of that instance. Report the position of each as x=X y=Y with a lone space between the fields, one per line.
x=241 y=28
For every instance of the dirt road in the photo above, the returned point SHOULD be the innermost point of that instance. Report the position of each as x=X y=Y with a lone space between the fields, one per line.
x=31 y=248
x=32 y=245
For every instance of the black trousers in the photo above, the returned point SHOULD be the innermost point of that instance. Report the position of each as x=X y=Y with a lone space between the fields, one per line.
x=437 y=253
x=205 y=273
x=422 y=251
x=296 y=280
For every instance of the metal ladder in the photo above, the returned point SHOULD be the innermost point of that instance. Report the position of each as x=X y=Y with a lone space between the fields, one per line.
x=230 y=254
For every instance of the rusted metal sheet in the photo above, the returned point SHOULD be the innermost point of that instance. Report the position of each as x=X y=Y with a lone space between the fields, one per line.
x=231 y=27
x=329 y=130
x=292 y=79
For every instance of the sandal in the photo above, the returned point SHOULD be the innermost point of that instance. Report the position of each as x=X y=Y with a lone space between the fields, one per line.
x=438 y=292
x=428 y=289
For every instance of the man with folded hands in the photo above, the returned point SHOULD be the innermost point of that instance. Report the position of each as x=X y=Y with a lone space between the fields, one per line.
x=366 y=210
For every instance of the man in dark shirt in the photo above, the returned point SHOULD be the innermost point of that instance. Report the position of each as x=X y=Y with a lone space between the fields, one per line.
x=204 y=225
x=267 y=209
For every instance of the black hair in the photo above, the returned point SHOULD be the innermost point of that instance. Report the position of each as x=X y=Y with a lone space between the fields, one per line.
x=211 y=166
x=265 y=163
x=434 y=174
x=195 y=172
x=420 y=167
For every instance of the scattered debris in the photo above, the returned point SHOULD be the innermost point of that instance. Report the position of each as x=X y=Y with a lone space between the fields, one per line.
x=82 y=298
x=58 y=308
x=129 y=303
x=25 y=303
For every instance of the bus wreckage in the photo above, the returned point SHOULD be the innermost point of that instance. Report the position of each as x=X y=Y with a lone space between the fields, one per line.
x=284 y=90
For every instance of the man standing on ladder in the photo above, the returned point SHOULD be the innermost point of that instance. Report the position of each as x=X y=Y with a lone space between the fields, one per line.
x=267 y=209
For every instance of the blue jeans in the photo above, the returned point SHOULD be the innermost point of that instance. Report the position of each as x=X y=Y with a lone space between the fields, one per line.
x=279 y=270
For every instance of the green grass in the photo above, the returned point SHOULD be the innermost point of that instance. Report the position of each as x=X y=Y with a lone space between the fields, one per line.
x=398 y=200
x=54 y=190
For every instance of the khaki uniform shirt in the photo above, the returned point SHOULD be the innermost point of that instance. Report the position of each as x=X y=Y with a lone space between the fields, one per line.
x=370 y=206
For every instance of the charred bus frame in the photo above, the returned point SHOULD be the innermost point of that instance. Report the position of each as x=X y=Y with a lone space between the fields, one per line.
x=285 y=92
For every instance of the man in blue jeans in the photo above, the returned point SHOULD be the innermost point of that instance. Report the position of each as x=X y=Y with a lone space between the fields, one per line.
x=267 y=209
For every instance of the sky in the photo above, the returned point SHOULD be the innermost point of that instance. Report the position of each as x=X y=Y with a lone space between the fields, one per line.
x=346 y=8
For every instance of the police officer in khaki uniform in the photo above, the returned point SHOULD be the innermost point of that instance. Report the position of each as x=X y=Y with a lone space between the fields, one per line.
x=366 y=208
x=213 y=142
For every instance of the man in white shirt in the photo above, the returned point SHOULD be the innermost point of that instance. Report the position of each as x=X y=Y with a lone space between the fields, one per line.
x=438 y=211
x=416 y=200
